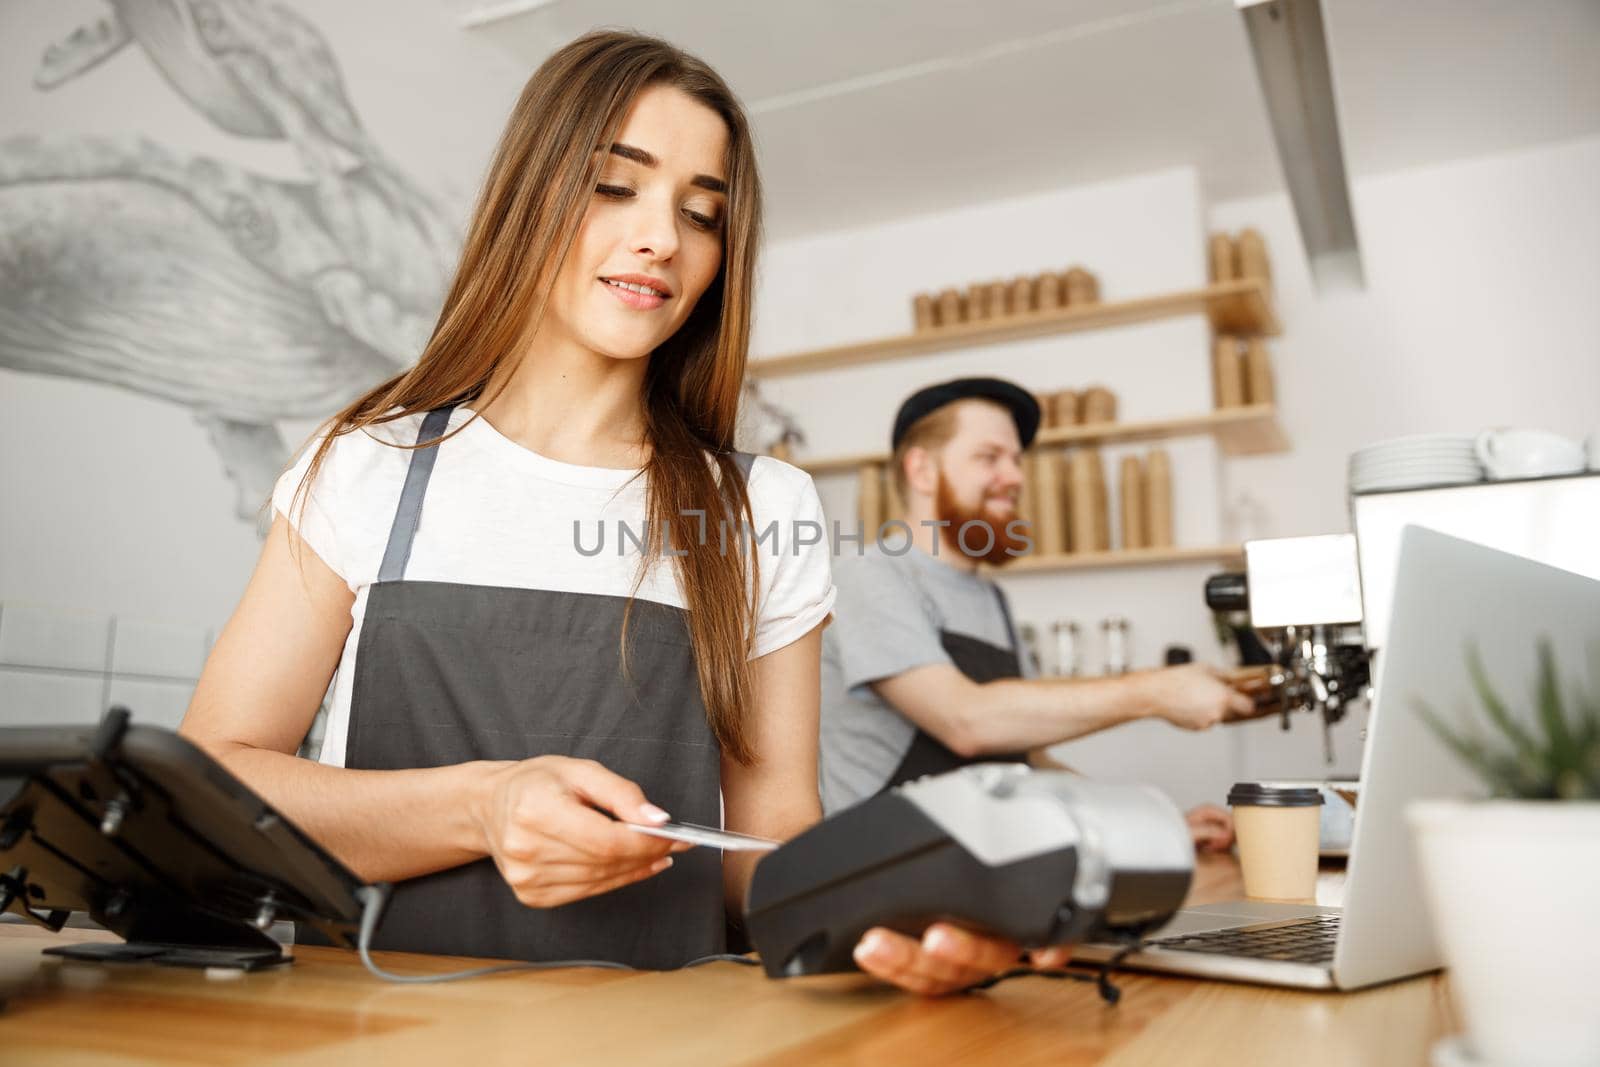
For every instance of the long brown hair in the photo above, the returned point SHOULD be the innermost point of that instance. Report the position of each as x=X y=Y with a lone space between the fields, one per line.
x=538 y=187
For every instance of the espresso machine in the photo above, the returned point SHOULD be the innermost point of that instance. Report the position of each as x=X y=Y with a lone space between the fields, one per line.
x=1313 y=612
x=1296 y=611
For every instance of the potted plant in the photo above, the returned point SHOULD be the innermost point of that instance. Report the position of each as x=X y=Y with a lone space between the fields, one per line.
x=1514 y=881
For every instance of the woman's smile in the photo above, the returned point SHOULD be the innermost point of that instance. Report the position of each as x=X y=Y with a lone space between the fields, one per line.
x=637 y=291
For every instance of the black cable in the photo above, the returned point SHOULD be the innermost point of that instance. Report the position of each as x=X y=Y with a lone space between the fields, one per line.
x=1108 y=992
x=1101 y=977
x=724 y=957
x=374 y=897
x=1027 y=972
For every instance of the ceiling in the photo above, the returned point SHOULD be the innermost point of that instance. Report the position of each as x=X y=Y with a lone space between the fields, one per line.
x=869 y=110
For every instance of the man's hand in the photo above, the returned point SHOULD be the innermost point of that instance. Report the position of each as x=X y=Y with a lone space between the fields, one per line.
x=1210 y=827
x=1192 y=696
x=947 y=959
x=542 y=823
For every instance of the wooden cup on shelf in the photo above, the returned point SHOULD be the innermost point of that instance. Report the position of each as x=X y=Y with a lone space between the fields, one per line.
x=1258 y=386
x=1250 y=257
x=1046 y=414
x=1064 y=407
x=951 y=310
x=999 y=300
x=1097 y=405
x=924 y=312
x=1028 y=501
x=869 y=497
x=1102 y=504
x=978 y=302
x=1066 y=293
x=1227 y=369
x=1049 y=510
x=1158 y=499
x=1093 y=504
x=1081 y=526
x=1047 y=286
x=1130 y=493
x=1221 y=260
x=893 y=506
x=1081 y=287
x=1023 y=296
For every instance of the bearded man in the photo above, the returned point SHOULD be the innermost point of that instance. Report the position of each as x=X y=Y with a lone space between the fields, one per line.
x=922 y=671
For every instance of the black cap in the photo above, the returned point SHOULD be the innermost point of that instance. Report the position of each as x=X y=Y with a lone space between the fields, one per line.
x=1021 y=403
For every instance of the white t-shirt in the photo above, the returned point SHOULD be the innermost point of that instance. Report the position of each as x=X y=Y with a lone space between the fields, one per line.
x=498 y=514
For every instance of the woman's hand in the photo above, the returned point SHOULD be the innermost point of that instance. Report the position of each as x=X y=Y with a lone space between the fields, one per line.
x=543 y=824
x=947 y=959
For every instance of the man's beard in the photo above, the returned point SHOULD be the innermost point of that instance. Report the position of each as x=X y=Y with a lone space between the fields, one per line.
x=1006 y=545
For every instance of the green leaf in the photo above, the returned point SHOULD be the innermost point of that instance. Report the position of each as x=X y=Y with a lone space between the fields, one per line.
x=1563 y=764
x=1563 y=747
x=1496 y=775
x=1494 y=705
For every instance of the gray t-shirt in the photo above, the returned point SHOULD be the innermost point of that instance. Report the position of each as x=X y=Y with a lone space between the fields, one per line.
x=887 y=619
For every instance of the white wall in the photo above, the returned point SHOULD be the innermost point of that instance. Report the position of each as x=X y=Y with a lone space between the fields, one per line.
x=116 y=502
x=1482 y=309
x=120 y=554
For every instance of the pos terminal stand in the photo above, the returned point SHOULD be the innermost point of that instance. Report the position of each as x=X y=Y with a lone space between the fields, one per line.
x=159 y=844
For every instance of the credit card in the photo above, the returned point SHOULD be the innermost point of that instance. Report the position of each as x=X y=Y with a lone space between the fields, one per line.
x=709 y=836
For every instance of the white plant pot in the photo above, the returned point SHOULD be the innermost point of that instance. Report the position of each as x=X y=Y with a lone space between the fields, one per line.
x=1514 y=891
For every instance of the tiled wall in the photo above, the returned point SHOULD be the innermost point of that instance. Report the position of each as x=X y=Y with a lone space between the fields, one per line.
x=59 y=666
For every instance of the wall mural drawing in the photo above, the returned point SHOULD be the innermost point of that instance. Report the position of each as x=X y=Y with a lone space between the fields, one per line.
x=245 y=298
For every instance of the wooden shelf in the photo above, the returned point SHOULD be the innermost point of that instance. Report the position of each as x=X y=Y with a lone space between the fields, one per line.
x=1251 y=430
x=1125 y=557
x=1244 y=431
x=1241 y=307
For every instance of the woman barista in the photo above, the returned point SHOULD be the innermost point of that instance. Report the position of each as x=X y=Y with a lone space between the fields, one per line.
x=506 y=696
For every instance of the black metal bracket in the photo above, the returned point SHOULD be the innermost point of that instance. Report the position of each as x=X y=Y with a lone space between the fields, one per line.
x=14 y=898
x=108 y=735
x=15 y=828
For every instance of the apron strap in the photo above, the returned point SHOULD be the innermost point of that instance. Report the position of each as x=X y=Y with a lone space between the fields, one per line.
x=1005 y=614
x=744 y=461
x=408 y=513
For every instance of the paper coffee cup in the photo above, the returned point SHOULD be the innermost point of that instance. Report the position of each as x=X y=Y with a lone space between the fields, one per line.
x=1277 y=828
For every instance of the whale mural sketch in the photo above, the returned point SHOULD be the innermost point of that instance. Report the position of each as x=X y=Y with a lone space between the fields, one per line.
x=246 y=299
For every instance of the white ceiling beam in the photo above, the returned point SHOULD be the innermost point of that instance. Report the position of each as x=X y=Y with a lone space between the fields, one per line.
x=948 y=63
x=1290 y=46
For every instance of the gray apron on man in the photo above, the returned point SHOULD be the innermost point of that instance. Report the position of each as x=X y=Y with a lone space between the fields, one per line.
x=448 y=673
x=981 y=662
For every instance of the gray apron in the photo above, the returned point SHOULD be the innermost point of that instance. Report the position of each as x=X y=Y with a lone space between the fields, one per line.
x=981 y=662
x=449 y=673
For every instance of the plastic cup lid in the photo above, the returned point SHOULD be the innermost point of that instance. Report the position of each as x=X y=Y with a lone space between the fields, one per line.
x=1266 y=795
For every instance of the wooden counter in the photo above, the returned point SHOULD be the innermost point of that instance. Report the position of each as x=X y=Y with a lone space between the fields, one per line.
x=326 y=1010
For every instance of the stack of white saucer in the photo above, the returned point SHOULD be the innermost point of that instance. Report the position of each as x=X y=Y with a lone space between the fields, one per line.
x=1415 y=462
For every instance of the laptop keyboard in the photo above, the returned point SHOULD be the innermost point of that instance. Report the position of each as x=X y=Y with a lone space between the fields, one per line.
x=1308 y=940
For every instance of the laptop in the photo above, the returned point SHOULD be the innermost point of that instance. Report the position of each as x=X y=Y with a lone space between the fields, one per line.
x=1447 y=593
